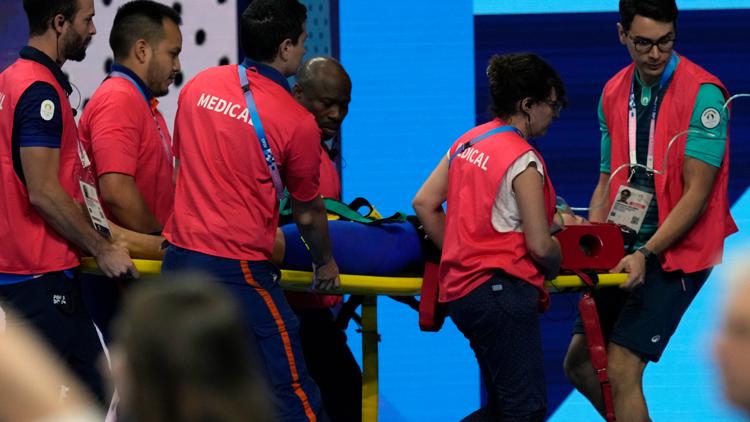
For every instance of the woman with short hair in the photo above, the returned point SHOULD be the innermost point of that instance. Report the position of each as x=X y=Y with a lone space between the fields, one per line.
x=497 y=247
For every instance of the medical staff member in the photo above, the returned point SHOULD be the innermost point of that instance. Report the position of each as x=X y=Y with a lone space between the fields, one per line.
x=127 y=137
x=41 y=225
x=497 y=247
x=122 y=125
x=241 y=139
x=677 y=200
x=324 y=88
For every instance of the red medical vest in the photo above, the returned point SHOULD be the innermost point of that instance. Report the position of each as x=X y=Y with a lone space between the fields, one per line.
x=472 y=249
x=703 y=245
x=29 y=244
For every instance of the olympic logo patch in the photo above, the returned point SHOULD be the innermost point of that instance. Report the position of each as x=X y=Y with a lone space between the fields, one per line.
x=710 y=118
x=47 y=110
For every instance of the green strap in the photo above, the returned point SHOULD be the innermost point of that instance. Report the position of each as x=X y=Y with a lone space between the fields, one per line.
x=351 y=212
x=348 y=212
x=285 y=207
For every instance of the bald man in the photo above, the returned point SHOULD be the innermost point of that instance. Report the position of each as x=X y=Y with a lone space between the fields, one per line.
x=324 y=88
x=732 y=348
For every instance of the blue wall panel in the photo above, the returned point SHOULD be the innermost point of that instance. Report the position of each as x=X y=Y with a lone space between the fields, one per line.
x=14 y=31
x=494 y=7
x=413 y=93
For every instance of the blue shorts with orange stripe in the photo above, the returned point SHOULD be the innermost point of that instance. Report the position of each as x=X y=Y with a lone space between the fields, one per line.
x=270 y=322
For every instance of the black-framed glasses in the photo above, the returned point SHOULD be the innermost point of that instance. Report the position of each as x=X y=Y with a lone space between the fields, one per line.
x=644 y=45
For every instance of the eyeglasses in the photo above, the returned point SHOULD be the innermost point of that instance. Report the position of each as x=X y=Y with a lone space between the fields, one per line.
x=644 y=45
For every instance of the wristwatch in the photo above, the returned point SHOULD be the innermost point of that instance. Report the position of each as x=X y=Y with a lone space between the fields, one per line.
x=646 y=252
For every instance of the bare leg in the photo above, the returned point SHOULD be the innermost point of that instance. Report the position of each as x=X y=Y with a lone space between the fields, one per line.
x=626 y=375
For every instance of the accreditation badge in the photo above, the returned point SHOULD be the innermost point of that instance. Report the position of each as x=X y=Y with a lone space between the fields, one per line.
x=96 y=212
x=630 y=207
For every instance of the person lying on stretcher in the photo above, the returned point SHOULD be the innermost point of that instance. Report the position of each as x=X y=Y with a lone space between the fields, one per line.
x=145 y=246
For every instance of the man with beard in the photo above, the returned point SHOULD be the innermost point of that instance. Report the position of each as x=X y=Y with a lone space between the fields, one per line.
x=40 y=223
x=127 y=136
x=324 y=89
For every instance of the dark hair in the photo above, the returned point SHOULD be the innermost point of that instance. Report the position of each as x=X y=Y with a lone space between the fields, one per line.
x=41 y=12
x=266 y=24
x=514 y=77
x=184 y=339
x=139 y=19
x=658 y=10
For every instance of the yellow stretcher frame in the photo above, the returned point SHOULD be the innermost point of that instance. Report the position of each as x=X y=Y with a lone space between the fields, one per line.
x=370 y=287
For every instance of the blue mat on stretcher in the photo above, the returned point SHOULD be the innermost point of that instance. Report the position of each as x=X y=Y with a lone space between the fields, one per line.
x=388 y=249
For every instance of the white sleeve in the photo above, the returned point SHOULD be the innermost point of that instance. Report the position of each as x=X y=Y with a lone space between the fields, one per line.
x=520 y=165
x=505 y=215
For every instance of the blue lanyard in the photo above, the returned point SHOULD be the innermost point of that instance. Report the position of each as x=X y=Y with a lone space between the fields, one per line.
x=165 y=144
x=632 y=115
x=117 y=74
x=468 y=144
x=264 y=145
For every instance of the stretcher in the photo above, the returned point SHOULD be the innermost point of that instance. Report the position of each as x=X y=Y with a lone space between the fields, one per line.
x=371 y=287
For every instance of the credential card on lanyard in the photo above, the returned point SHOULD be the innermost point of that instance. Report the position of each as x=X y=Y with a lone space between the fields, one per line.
x=94 y=207
x=630 y=207
x=90 y=197
x=262 y=140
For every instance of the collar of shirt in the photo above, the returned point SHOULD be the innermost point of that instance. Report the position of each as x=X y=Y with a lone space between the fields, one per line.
x=647 y=91
x=33 y=54
x=267 y=71
x=145 y=91
x=329 y=149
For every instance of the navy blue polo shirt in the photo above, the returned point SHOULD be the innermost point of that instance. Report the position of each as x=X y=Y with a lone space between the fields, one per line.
x=267 y=71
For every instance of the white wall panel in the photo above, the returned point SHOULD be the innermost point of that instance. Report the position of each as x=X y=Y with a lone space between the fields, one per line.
x=209 y=37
